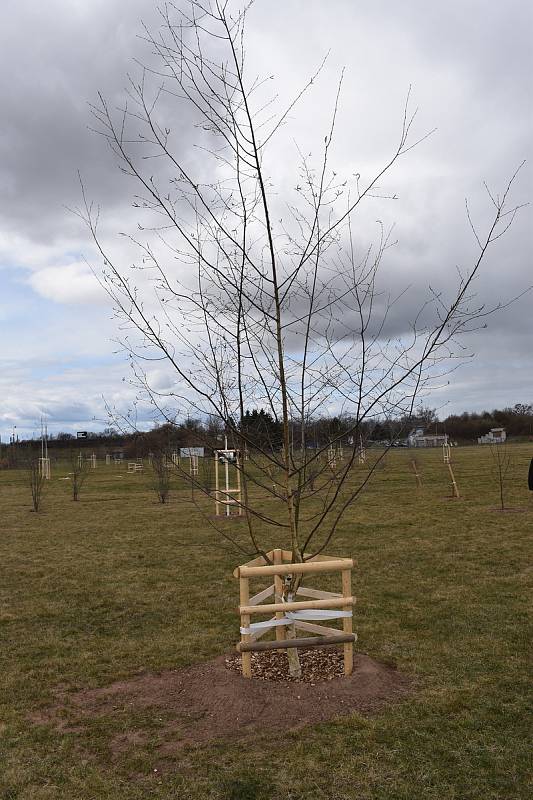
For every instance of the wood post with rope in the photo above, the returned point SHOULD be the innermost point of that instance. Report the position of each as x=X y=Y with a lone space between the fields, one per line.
x=244 y=599
x=416 y=473
x=455 y=489
x=347 y=621
x=278 y=594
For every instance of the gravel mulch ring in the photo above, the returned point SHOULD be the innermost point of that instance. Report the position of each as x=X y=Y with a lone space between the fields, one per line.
x=212 y=701
x=317 y=665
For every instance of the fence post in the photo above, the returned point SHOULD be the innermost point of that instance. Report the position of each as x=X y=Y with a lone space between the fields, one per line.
x=278 y=594
x=347 y=621
x=244 y=597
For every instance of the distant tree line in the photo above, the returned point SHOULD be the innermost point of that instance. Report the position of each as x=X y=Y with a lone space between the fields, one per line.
x=264 y=432
x=517 y=421
x=466 y=427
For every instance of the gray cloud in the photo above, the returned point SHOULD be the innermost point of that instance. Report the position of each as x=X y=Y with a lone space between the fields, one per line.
x=470 y=66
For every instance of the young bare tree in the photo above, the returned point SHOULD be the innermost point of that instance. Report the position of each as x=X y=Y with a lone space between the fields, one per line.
x=256 y=301
x=501 y=461
x=36 y=479
x=161 y=475
x=79 y=470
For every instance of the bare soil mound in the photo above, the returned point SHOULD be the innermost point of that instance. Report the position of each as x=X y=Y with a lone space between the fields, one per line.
x=213 y=701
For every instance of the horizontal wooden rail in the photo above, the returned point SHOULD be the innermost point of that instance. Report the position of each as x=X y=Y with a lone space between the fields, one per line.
x=294 y=569
x=267 y=608
x=284 y=644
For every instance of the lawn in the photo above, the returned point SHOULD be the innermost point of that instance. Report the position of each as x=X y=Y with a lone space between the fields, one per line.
x=117 y=585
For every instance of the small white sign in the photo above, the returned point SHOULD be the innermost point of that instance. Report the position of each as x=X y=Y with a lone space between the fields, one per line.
x=187 y=452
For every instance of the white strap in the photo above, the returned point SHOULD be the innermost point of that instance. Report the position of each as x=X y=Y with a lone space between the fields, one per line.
x=290 y=616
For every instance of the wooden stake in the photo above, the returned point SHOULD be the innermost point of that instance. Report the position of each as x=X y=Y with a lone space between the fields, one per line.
x=455 y=490
x=239 y=498
x=347 y=621
x=278 y=594
x=244 y=597
x=217 y=504
x=417 y=476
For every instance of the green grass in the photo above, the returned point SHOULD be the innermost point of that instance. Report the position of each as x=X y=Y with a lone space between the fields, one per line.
x=99 y=590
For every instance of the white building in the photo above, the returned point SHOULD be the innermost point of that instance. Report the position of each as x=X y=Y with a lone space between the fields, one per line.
x=494 y=436
x=417 y=438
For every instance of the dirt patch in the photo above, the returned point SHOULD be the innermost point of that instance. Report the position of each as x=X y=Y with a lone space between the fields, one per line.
x=213 y=701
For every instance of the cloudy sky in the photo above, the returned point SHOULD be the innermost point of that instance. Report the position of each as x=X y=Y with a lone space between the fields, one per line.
x=469 y=63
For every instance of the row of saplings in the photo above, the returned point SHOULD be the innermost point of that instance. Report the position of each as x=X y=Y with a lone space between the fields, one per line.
x=292 y=606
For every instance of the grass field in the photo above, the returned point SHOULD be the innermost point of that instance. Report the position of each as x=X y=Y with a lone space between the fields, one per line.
x=116 y=584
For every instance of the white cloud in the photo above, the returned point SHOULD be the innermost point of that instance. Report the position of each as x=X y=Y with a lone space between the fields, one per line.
x=68 y=396
x=71 y=283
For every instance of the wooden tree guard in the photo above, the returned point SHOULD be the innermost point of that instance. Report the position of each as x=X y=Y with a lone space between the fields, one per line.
x=361 y=452
x=230 y=497
x=446 y=453
x=321 y=605
x=44 y=468
x=193 y=465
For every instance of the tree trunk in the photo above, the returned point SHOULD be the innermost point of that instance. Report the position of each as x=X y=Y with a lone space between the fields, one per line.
x=295 y=669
